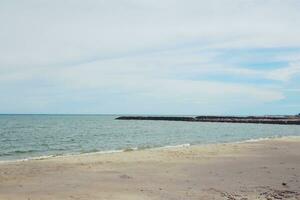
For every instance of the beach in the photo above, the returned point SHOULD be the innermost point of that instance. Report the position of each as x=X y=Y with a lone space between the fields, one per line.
x=263 y=169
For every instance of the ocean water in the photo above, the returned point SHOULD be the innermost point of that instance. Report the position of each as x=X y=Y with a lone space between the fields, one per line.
x=30 y=136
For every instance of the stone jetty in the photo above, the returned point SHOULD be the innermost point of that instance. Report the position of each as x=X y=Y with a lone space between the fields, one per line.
x=283 y=119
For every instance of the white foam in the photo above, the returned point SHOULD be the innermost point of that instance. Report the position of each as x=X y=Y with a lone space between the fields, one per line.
x=27 y=159
x=174 y=146
x=266 y=139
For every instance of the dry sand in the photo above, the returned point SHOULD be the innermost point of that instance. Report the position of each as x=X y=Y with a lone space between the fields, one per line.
x=267 y=169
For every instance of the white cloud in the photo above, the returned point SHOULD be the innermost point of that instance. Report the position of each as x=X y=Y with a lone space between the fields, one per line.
x=161 y=50
x=285 y=73
x=54 y=32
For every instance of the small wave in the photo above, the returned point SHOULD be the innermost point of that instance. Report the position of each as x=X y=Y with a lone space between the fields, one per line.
x=16 y=152
x=23 y=151
x=39 y=157
x=27 y=159
x=89 y=151
x=265 y=139
x=5 y=154
x=130 y=149
x=100 y=152
x=257 y=140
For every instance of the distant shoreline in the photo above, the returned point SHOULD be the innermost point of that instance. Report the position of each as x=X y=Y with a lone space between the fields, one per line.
x=283 y=120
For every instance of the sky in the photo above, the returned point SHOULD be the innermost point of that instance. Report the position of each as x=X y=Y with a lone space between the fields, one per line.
x=181 y=57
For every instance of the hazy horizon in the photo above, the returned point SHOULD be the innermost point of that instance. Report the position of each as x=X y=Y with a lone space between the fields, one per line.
x=142 y=114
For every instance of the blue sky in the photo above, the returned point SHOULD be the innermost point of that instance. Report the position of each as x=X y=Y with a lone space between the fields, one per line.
x=150 y=57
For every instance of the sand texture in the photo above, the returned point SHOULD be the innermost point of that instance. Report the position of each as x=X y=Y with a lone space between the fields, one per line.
x=267 y=169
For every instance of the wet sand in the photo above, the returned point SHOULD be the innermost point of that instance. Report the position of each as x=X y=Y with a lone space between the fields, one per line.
x=267 y=169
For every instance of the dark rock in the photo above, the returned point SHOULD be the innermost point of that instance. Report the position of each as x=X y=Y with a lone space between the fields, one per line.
x=284 y=120
x=284 y=184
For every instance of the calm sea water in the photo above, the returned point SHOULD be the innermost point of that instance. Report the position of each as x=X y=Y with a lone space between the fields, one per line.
x=27 y=136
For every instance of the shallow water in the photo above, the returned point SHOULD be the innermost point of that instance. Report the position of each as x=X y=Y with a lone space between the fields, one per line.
x=25 y=136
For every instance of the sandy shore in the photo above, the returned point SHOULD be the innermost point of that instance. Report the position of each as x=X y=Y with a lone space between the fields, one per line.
x=267 y=169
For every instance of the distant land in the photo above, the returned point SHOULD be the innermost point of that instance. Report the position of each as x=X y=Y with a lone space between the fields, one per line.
x=267 y=119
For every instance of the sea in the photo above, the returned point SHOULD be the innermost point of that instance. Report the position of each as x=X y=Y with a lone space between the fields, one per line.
x=24 y=137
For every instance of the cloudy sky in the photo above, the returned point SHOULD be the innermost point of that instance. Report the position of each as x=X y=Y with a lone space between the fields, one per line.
x=150 y=56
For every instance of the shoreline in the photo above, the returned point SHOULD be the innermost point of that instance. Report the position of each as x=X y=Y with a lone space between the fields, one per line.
x=185 y=145
x=265 y=169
